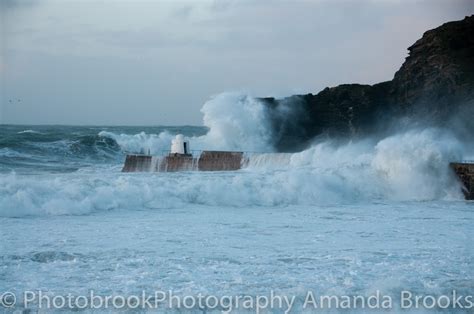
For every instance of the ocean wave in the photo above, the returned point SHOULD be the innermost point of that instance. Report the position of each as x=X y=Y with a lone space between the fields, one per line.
x=140 y=143
x=235 y=122
x=94 y=145
x=7 y=152
x=412 y=166
x=29 y=131
x=63 y=149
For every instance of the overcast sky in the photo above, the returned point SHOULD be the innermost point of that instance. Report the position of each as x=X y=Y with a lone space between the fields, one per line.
x=157 y=62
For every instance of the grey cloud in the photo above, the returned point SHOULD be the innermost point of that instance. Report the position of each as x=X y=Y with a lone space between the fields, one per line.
x=87 y=62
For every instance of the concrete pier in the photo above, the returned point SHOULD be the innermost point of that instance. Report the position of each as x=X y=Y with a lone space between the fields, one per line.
x=137 y=163
x=207 y=161
x=173 y=163
x=465 y=172
x=220 y=161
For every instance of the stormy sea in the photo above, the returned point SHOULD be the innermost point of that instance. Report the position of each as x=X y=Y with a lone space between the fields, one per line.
x=357 y=217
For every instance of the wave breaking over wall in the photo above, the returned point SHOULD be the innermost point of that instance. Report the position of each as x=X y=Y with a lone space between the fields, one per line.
x=235 y=121
x=411 y=166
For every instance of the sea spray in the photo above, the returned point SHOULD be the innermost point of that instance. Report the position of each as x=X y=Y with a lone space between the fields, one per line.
x=411 y=166
x=415 y=164
x=141 y=143
x=234 y=121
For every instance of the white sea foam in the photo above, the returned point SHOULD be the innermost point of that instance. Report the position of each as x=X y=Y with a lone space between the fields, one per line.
x=236 y=122
x=141 y=142
x=411 y=165
x=340 y=219
x=408 y=166
x=29 y=131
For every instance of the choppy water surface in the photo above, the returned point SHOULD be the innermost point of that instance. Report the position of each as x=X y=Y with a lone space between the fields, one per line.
x=341 y=219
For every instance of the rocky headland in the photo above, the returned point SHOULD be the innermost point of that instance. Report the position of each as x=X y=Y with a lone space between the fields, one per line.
x=434 y=86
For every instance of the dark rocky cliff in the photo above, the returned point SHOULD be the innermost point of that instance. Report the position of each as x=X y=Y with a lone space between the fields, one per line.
x=435 y=85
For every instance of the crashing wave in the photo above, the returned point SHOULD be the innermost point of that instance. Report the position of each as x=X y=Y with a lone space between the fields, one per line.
x=235 y=122
x=411 y=166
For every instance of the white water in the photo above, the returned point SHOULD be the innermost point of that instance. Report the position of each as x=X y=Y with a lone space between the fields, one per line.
x=340 y=218
x=235 y=122
x=412 y=165
x=407 y=167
